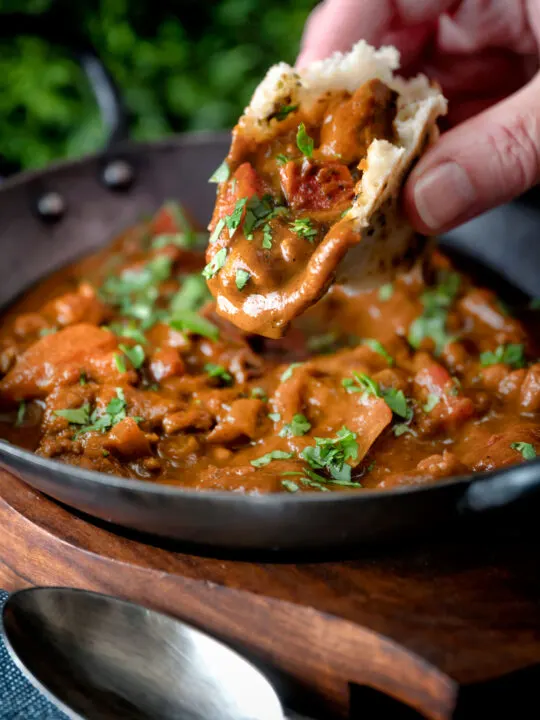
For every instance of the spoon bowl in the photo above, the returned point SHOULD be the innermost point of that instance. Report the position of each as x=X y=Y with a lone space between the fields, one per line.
x=99 y=657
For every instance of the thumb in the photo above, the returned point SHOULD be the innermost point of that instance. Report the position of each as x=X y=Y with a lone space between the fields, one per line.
x=488 y=160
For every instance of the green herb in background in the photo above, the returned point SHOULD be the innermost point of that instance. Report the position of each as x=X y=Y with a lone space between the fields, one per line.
x=181 y=66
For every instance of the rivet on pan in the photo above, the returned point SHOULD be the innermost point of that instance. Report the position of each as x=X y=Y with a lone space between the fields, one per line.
x=51 y=206
x=118 y=175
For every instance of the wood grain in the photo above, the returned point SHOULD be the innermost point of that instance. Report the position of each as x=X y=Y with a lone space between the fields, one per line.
x=421 y=624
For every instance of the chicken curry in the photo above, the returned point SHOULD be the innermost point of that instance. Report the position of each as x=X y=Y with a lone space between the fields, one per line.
x=120 y=363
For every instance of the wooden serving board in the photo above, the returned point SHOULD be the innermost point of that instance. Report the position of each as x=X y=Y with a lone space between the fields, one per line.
x=440 y=626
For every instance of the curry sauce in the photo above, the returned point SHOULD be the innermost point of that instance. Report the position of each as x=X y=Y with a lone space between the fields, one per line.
x=121 y=364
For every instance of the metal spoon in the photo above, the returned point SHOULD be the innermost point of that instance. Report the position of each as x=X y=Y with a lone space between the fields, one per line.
x=96 y=656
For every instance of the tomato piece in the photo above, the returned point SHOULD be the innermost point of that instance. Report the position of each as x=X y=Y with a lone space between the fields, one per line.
x=453 y=406
x=169 y=219
x=317 y=186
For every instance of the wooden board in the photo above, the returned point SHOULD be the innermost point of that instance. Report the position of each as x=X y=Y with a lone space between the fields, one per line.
x=427 y=624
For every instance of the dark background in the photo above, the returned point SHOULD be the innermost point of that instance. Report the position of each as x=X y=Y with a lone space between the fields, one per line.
x=181 y=64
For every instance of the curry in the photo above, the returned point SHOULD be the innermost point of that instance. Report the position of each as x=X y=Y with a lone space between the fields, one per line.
x=121 y=364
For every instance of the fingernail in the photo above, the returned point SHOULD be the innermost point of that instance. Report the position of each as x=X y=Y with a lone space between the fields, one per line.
x=443 y=195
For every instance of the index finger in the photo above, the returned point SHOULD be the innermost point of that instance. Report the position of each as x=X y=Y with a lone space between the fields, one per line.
x=338 y=24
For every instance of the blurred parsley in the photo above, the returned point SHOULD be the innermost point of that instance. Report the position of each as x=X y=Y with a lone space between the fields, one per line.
x=181 y=66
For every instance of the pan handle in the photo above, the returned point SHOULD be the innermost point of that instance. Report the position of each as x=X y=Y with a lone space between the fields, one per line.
x=62 y=32
x=516 y=486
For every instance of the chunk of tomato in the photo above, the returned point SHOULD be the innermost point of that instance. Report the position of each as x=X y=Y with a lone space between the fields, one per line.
x=453 y=406
x=317 y=186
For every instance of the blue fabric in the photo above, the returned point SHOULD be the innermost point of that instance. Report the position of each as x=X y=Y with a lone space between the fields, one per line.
x=19 y=700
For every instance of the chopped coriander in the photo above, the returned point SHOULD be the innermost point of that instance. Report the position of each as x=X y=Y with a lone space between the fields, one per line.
x=134 y=354
x=186 y=240
x=432 y=322
x=322 y=343
x=221 y=174
x=331 y=454
x=129 y=331
x=105 y=453
x=303 y=227
x=97 y=421
x=371 y=466
x=303 y=141
x=397 y=402
x=154 y=387
x=233 y=220
x=281 y=159
x=242 y=276
x=274 y=417
x=274 y=455
x=344 y=212
x=267 y=237
x=432 y=401
x=47 y=331
x=298 y=426
x=395 y=399
x=284 y=111
x=456 y=387
x=215 y=265
x=218 y=371
x=135 y=292
x=258 y=392
x=21 y=412
x=526 y=449
x=402 y=428
x=216 y=232
x=361 y=383
x=290 y=486
x=386 y=291
x=76 y=416
x=377 y=347
x=82 y=378
x=512 y=354
x=120 y=362
x=193 y=294
x=287 y=374
x=189 y=321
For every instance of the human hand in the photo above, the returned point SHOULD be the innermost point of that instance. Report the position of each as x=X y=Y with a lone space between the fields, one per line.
x=484 y=54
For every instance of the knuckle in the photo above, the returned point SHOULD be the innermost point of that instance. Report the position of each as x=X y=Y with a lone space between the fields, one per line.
x=516 y=149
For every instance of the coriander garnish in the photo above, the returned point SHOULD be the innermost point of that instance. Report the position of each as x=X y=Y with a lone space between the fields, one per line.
x=304 y=142
x=303 y=227
x=134 y=354
x=386 y=291
x=290 y=486
x=432 y=401
x=221 y=174
x=395 y=399
x=298 y=426
x=193 y=294
x=267 y=237
x=512 y=354
x=120 y=362
x=526 y=449
x=274 y=417
x=331 y=455
x=21 y=412
x=287 y=374
x=281 y=159
x=189 y=321
x=242 y=276
x=274 y=455
x=432 y=323
x=378 y=347
x=282 y=112
x=215 y=265
x=218 y=371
